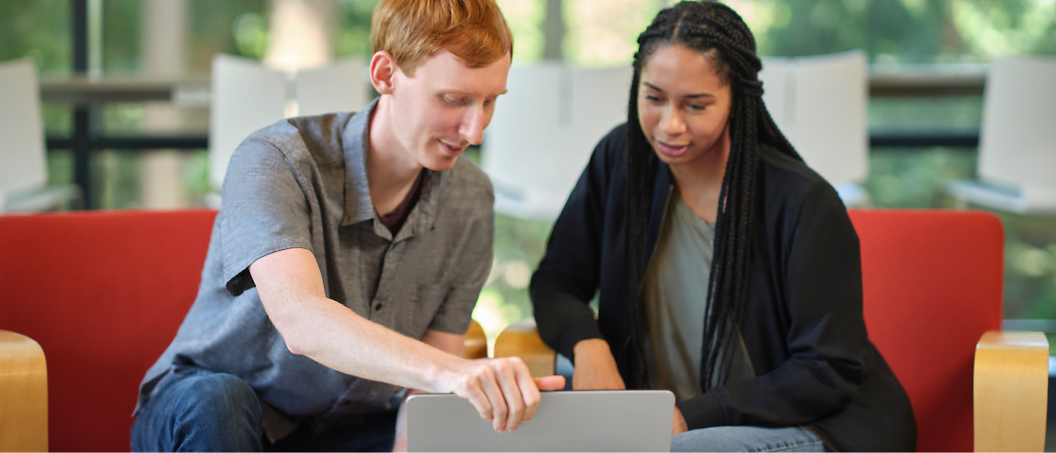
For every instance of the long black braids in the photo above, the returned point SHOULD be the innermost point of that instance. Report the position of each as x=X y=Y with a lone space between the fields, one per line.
x=724 y=39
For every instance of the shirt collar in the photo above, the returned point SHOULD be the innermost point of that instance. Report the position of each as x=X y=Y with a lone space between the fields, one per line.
x=358 y=205
x=356 y=139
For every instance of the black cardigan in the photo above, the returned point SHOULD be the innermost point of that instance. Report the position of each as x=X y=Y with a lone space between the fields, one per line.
x=803 y=328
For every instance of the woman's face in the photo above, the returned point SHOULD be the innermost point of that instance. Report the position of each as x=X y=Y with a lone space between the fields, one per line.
x=684 y=107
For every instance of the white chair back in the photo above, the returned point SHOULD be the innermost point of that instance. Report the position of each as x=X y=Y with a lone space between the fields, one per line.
x=247 y=96
x=340 y=87
x=1017 y=141
x=544 y=131
x=820 y=103
x=23 y=163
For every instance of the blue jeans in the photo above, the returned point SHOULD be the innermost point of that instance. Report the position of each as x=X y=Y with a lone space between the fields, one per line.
x=747 y=438
x=199 y=410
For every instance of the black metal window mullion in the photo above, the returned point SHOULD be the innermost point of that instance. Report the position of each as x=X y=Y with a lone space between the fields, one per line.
x=80 y=142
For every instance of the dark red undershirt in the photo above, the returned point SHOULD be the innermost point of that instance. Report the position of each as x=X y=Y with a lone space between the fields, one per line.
x=394 y=220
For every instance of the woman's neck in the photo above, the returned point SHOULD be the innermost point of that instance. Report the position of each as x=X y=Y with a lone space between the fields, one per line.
x=699 y=182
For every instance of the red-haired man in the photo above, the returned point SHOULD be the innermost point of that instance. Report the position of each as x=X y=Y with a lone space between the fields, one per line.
x=346 y=259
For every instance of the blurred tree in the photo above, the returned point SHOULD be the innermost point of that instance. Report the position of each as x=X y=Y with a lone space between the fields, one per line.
x=122 y=34
x=906 y=31
x=236 y=27
x=354 y=29
x=39 y=29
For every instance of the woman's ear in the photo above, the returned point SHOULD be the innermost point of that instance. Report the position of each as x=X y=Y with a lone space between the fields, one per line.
x=383 y=71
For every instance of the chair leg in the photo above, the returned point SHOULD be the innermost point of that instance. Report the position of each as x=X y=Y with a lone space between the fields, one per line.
x=24 y=394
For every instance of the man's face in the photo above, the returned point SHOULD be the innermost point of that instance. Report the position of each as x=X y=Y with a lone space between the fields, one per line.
x=444 y=107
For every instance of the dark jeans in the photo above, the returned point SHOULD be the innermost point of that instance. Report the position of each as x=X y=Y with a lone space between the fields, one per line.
x=198 y=410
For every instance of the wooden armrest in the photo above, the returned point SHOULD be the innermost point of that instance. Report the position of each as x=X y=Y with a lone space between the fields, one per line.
x=1011 y=391
x=23 y=394
x=476 y=342
x=521 y=339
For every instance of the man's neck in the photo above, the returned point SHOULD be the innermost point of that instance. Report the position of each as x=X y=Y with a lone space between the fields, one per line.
x=391 y=170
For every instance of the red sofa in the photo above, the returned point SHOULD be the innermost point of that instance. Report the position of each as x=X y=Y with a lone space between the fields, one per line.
x=103 y=294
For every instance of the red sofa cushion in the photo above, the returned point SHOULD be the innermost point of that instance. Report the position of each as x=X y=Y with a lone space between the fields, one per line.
x=103 y=293
x=932 y=283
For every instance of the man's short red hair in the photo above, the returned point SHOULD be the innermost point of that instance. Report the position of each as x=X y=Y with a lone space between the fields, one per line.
x=412 y=30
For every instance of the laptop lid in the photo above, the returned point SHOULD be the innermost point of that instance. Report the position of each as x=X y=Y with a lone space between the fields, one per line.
x=626 y=420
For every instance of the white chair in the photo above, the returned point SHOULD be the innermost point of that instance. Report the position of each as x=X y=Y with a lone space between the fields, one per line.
x=544 y=131
x=338 y=87
x=820 y=103
x=247 y=96
x=1017 y=141
x=23 y=160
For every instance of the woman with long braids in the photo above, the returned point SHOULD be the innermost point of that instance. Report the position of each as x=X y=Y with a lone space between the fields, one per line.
x=727 y=271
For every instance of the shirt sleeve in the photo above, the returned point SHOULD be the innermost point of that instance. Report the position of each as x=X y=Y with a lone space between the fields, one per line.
x=263 y=211
x=826 y=338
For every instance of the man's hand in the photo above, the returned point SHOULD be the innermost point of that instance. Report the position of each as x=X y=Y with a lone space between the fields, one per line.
x=548 y=383
x=291 y=290
x=502 y=390
x=678 y=425
x=595 y=368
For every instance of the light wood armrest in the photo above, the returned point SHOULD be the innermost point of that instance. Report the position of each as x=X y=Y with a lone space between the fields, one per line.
x=521 y=339
x=23 y=394
x=476 y=342
x=1011 y=391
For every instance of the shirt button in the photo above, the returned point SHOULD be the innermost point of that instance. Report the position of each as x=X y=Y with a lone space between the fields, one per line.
x=377 y=307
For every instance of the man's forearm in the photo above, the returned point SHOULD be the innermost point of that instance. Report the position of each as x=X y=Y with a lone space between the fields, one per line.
x=292 y=292
x=333 y=335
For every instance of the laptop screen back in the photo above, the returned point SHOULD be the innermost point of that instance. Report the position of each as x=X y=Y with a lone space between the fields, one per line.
x=631 y=420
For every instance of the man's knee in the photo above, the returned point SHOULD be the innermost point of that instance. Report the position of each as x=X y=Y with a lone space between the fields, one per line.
x=202 y=412
x=223 y=394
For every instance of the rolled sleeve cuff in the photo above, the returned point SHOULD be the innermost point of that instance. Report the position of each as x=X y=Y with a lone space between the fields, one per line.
x=703 y=411
x=574 y=332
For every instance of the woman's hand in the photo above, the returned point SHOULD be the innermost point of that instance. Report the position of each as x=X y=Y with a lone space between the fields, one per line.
x=678 y=426
x=595 y=368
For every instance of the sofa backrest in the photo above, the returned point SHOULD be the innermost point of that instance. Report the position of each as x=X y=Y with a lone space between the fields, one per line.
x=103 y=293
x=932 y=285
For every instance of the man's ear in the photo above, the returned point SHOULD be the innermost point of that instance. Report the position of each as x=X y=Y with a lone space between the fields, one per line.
x=383 y=71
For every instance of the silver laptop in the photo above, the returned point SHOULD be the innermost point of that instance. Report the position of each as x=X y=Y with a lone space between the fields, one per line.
x=626 y=420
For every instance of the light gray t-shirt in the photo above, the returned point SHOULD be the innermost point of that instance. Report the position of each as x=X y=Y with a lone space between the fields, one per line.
x=674 y=303
x=302 y=183
x=673 y=298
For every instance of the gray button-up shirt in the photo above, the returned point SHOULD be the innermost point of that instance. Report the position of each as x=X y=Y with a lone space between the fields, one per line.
x=302 y=182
